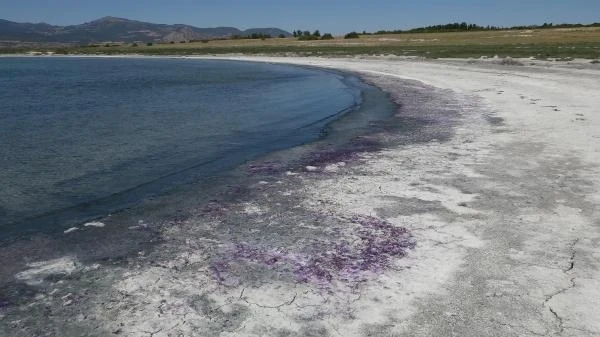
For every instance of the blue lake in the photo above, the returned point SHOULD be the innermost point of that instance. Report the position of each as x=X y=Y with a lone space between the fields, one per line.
x=81 y=137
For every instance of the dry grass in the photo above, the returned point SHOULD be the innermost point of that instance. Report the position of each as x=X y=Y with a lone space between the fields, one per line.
x=540 y=36
x=541 y=43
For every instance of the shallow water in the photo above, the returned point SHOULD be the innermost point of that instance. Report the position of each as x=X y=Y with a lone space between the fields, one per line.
x=83 y=137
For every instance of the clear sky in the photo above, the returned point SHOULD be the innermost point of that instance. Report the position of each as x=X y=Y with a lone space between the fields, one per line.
x=335 y=16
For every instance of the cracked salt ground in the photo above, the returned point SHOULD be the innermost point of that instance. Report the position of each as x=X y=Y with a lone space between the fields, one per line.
x=534 y=202
x=505 y=226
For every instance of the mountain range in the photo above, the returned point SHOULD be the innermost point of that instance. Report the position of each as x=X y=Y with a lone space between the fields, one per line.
x=113 y=29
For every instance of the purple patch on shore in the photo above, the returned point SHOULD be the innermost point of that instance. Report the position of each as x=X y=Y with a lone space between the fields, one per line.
x=265 y=168
x=218 y=269
x=365 y=144
x=214 y=210
x=347 y=153
x=370 y=251
x=4 y=304
x=330 y=157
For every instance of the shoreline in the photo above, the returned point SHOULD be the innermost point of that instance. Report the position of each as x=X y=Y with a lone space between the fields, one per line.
x=498 y=189
x=75 y=213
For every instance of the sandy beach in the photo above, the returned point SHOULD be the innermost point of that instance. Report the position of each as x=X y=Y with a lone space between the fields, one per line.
x=483 y=222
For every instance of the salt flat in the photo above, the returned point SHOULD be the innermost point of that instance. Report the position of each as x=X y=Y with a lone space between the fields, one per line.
x=511 y=247
x=498 y=188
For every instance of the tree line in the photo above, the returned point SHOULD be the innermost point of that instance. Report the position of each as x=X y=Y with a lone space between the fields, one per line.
x=307 y=35
x=466 y=27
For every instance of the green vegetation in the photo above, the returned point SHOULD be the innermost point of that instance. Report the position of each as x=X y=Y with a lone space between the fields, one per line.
x=327 y=36
x=307 y=36
x=467 y=27
x=256 y=36
x=581 y=50
x=351 y=35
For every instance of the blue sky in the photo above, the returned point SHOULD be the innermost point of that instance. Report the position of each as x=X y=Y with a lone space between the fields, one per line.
x=335 y=16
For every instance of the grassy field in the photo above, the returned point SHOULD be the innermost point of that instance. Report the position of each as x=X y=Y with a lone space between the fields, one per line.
x=541 y=43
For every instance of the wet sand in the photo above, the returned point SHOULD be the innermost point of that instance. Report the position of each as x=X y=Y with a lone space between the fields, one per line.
x=480 y=219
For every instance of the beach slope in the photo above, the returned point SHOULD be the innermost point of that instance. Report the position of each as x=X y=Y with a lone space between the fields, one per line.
x=506 y=212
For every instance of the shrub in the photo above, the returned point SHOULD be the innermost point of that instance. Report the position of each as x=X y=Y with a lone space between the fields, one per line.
x=149 y=44
x=327 y=36
x=595 y=62
x=351 y=35
x=256 y=36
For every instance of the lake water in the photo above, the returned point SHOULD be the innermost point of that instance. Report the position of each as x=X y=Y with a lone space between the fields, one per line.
x=82 y=137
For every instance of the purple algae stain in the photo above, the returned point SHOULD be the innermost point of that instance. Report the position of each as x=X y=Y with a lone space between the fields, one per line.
x=4 y=304
x=371 y=250
x=347 y=153
x=218 y=269
x=325 y=157
x=265 y=168
x=365 y=144
x=215 y=210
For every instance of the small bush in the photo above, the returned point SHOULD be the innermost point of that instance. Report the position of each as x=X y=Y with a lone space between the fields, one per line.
x=327 y=36
x=134 y=44
x=149 y=44
x=595 y=62
x=256 y=36
x=351 y=35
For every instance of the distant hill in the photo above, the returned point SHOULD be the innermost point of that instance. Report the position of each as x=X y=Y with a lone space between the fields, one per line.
x=119 y=30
